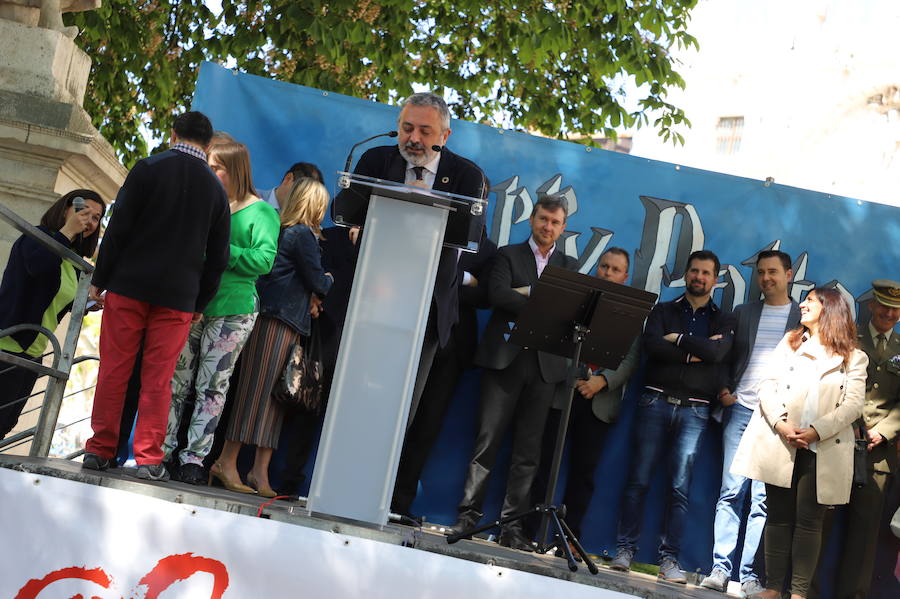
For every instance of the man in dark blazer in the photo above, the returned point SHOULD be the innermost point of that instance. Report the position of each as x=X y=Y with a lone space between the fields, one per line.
x=449 y=364
x=424 y=123
x=517 y=384
x=760 y=325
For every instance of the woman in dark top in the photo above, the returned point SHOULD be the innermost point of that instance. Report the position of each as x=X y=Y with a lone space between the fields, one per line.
x=38 y=289
x=289 y=297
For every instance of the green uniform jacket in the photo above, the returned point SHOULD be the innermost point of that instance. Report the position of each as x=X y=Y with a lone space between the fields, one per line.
x=882 y=407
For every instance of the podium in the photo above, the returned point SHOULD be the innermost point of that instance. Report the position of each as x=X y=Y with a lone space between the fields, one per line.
x=366 y=417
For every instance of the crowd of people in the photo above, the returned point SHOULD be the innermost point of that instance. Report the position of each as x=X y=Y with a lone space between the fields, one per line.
x=211 y=283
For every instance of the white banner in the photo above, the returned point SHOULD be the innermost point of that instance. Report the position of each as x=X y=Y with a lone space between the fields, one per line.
x=62 y=538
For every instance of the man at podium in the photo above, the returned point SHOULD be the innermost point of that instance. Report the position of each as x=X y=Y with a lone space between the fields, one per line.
x=420 y=158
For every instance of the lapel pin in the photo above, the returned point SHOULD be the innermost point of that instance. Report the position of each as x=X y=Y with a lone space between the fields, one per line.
x=445 y=179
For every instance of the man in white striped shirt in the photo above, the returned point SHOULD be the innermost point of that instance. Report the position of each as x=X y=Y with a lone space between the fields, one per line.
x=760 y=326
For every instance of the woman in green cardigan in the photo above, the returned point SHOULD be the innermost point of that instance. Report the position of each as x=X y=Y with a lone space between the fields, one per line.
x=218 y=335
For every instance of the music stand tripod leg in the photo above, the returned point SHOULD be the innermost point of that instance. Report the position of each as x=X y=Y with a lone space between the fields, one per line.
x=566 y=535
x=548 y=509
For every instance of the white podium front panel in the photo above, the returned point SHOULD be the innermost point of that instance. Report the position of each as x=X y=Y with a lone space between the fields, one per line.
x=365 y=421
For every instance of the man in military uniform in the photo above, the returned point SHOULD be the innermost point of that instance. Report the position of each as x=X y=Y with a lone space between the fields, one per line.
x=882 y=417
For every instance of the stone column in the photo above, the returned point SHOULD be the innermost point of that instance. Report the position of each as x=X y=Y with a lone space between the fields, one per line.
x=47 y=143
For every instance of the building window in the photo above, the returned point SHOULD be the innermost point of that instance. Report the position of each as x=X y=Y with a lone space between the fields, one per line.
x=728 y=134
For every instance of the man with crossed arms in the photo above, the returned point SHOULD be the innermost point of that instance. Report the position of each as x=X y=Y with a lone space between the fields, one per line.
x=686 y=342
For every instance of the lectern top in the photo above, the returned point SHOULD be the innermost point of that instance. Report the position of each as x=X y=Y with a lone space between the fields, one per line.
x=464 y=224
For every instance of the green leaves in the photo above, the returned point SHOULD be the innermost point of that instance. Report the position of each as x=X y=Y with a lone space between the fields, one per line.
x=552 y=67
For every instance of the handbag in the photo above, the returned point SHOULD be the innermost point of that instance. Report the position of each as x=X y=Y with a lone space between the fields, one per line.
x=860 y=454
x=300 y=383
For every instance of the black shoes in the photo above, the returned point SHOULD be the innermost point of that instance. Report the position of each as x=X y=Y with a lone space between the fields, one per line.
x=92 y=461
x=514 y=538
x=193 y=474
x=465 y=521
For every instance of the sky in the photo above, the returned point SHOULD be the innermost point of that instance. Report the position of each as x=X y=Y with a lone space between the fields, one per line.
x=785 y=50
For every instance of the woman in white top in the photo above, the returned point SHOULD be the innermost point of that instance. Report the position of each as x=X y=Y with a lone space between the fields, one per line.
x=800 y=439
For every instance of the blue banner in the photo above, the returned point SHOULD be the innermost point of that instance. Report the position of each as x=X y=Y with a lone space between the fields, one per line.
x=660 y=212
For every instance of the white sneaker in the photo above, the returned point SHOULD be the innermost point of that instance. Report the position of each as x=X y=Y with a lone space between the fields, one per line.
x=717 y=580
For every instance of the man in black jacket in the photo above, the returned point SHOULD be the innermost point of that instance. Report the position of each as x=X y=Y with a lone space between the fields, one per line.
x=517 y=384
x=424 y=122
x=686 y=342
x=159 y=266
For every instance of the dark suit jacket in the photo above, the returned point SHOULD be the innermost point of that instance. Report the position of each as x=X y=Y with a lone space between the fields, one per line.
x=465 y=333
x=513 y=267
x=455 y=175
x=747 y=318
x=339 y=256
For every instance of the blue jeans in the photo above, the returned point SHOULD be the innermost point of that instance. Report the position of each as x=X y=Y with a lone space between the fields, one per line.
x=663 y=429
x=732 y=502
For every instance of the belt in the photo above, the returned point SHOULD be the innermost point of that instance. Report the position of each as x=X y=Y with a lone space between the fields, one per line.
x=677 y=401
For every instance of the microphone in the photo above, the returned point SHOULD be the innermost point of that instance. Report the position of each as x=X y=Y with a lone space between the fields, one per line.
x=78 y=206
x=437 y=148
x=344 y=181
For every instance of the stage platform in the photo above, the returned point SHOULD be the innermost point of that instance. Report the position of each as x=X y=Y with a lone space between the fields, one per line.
x=426 y=538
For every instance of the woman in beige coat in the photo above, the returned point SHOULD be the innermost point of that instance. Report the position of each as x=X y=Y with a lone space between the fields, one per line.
x=800 y=440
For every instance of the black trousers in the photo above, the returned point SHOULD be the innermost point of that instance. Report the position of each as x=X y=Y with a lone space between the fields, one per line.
x=518 y=398
x=15 y=385
x=425 y=425
x=793 y=535
x=586 y=435
x=430 y=346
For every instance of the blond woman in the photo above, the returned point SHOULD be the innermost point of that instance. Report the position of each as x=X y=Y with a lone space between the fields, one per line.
x=289 y=297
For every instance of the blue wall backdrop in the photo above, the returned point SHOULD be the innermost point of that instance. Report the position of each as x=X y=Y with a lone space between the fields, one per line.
x=658 y=211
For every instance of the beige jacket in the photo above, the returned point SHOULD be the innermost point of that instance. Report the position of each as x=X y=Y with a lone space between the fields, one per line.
x=763 y=455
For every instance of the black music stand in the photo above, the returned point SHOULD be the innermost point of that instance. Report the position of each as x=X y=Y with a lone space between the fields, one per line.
x=586 y=319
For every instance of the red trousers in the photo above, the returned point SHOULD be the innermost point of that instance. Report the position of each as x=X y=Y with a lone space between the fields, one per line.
x=164 y=332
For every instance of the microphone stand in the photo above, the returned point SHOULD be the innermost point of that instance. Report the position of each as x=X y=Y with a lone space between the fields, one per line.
x=344 y=181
